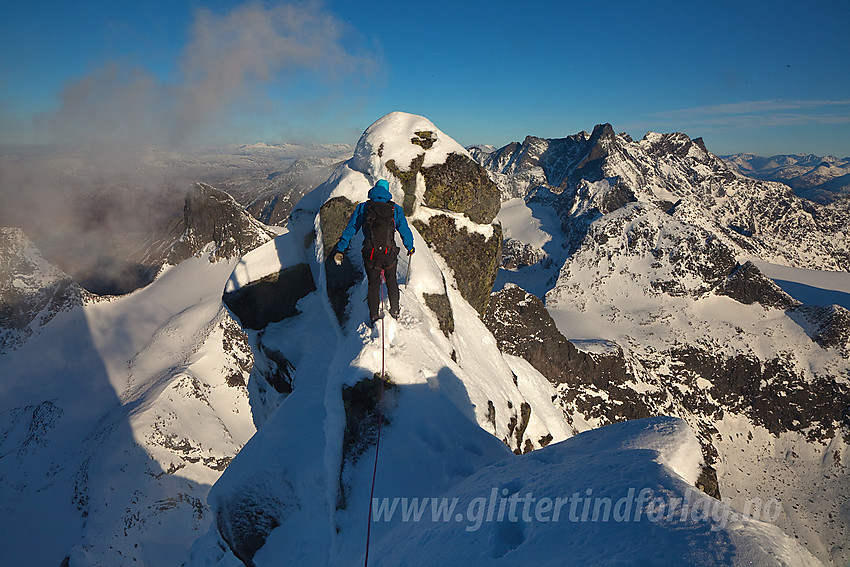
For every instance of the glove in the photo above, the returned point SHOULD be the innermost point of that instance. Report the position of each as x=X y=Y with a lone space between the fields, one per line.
x=338 y=258
x=411 y=251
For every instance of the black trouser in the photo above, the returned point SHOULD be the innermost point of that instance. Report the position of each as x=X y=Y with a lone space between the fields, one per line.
x=375 y=260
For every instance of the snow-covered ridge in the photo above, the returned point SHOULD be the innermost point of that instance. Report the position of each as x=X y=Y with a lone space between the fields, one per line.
x=117 y=417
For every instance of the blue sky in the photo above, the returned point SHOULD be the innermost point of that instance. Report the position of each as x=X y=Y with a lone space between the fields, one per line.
x=763 y=77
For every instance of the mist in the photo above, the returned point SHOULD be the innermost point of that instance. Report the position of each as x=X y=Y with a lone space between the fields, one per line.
x=121 y=152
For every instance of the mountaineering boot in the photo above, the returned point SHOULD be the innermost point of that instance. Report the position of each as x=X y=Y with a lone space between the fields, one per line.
x=394 y=313
x=374 y=320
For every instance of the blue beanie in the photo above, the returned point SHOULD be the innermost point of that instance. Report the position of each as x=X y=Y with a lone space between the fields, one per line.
x=381 y=191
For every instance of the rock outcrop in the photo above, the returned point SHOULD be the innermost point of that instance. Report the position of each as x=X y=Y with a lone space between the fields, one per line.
x=213 y=217
x=334 y=216
x=462 y=186
x=524 y=328
x=473 y=257
x=271 y=298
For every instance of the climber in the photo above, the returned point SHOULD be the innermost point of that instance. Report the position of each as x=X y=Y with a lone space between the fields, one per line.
x=380 y=218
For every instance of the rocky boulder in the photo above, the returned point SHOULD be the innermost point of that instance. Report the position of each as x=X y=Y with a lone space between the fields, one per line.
x=473 y=257
x=462 y=186
x=334 y=216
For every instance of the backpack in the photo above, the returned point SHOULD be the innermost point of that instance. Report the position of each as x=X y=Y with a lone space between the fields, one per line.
x=379 y=226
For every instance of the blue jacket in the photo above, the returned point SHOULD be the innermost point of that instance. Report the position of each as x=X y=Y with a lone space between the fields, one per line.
x=380 y=192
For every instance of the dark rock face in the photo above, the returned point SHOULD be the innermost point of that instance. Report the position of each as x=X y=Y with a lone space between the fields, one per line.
x=272 y=298
x=517 y=429
x=246 y=519
x=462 y=186
x=441 y=306
x=593 y=384
x=213 y=216
x=473 y=258
x=829 y=326
x=598 y=149
x=236 y=344
x=32 y=291
x=363 y=412
x=770 y=393
x=524 y=328
x=334 y=216
x=747 y=285
x=707 y=481
x=278 y=370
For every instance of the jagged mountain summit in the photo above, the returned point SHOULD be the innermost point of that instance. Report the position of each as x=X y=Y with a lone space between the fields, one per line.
x=822 y=179
x=653 y=303
x=587 y=175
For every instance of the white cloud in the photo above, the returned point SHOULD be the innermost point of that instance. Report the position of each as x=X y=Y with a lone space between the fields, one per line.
x=761 y=113
x=223 y=68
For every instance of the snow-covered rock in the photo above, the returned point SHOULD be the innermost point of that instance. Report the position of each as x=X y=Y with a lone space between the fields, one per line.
x=32 y=291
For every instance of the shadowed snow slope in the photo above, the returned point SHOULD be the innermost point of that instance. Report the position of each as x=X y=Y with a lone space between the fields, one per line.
x=116 y=418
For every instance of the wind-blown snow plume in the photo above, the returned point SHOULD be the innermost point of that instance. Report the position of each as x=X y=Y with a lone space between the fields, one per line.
x=227 y=62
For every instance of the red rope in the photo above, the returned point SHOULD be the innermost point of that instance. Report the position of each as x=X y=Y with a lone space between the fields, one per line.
x=380 y=422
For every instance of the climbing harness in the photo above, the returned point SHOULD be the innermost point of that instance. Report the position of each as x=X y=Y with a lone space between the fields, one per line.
x=380 y=422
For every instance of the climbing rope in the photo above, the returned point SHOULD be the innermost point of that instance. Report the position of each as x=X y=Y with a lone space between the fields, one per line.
x=380 y=422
